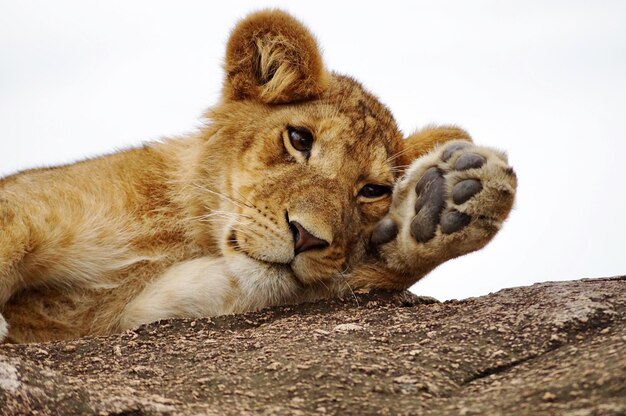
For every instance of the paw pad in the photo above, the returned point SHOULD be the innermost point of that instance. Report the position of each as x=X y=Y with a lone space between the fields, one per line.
x=431 y=196
x=464 y=190
x=431 y=190
x=385 y=231
x=469 y=161
x=453 y=148
x=453 y=221
x=430 y=176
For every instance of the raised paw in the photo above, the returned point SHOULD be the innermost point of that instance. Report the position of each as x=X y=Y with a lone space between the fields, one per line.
x=450 y=202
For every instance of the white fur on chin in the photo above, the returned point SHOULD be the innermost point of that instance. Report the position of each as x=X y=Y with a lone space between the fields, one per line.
x=4 y=328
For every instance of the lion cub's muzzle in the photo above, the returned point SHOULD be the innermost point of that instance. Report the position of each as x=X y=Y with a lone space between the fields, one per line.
x=303 y=240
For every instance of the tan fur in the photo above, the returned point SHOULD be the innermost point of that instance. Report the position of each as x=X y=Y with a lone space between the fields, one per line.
x=196 y=226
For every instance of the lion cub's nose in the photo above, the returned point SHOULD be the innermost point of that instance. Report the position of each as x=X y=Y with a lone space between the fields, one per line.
x=304 y=240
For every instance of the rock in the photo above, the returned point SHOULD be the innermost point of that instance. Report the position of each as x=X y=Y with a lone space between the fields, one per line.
x=405 y=380
x=551 y=348
x=348 y=327
x=547 y=396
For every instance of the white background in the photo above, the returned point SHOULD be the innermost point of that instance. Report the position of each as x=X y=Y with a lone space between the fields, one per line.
x=544 y=80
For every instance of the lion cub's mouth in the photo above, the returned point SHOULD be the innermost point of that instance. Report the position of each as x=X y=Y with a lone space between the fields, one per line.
x=235 y=246
x=287 y=268
x=278 y=272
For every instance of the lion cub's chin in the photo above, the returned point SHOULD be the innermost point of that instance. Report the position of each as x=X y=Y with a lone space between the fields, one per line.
x=267 y=284
x=262 y=283
x=310 y=273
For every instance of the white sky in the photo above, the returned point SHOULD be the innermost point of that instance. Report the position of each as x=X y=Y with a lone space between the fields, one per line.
x=544 y=80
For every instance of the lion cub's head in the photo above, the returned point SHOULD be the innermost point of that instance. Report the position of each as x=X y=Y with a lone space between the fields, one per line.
x=307 y=159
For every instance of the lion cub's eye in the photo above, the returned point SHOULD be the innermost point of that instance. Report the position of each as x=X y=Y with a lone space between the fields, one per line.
x=300 y=138
x=372 y=191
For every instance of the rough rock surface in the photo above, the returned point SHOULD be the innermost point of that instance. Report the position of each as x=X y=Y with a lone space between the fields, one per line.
x=552 y=348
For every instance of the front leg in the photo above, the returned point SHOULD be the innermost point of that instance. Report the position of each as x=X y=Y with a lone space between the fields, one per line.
x=450 y=202
x=14 y=245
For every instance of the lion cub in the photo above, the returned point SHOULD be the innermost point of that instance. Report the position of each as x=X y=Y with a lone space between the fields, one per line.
x=300 y=187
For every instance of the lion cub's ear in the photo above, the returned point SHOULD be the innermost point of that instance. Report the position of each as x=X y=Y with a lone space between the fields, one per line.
x=273 y=58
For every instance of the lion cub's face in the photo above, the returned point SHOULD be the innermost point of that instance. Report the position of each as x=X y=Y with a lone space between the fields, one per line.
x=308 y=156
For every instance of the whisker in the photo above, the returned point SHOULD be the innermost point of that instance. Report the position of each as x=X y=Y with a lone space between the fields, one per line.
x=393 y=157
x=225 y=220
x=244 y=229
x=322 y=282
x=223 y=214
x=345 y=280
x=399 y=167
x=240 y=204
x=244 y=198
